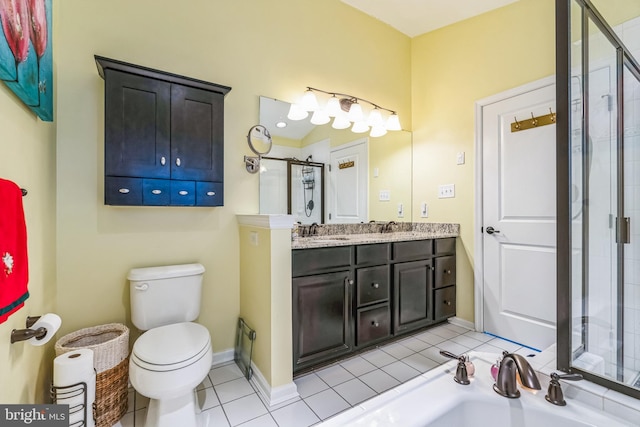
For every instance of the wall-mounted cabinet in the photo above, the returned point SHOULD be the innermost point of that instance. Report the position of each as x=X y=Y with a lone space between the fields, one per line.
x=347 y=298
x=164 y=137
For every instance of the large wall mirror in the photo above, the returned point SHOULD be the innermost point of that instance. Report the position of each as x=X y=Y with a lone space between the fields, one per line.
x=323 y=175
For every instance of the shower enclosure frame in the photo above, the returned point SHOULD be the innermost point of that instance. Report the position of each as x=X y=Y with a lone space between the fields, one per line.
x=565 y=351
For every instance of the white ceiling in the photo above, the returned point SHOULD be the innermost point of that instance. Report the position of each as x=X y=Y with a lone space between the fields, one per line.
x=415 y=17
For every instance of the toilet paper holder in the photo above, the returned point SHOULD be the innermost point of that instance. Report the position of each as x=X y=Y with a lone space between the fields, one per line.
x=25 y=334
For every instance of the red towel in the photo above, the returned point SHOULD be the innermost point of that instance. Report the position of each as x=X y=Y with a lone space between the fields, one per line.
x=14 y=268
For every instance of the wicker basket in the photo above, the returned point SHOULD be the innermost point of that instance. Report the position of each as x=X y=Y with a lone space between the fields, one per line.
x=110 y=345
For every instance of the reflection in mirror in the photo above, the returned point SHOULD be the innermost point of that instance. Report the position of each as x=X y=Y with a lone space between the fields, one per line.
x=366 y=178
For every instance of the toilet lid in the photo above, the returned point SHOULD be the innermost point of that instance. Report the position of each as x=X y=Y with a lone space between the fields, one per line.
x=169 y=345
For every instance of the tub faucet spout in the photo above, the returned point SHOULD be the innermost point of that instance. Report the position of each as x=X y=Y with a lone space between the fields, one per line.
x=506 y=384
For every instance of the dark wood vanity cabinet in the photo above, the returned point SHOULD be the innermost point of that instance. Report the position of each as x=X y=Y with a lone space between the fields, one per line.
x=347 y=298
x=163 y=137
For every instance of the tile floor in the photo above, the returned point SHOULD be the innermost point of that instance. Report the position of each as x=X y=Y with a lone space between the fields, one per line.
x=230 y=400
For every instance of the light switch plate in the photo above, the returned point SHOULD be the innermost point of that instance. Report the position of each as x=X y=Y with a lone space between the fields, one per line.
x=446 y=191
x=424 y=210
x=385 y=195
x=400 y=210
x=460 y=158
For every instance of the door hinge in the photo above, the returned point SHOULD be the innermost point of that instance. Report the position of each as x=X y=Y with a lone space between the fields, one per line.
x=329 y=216
x=329 y=168
x=623 y=230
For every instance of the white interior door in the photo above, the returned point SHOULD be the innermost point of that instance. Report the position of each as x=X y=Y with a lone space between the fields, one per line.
x=518 y=190
x=348 y=183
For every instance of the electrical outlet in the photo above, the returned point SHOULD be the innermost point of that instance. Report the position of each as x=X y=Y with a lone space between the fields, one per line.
x=385 y=195
x=446 y=191
x=376 y=172
x=424 y=212
x=460 y=158
x=253 y=238
x=400 y=210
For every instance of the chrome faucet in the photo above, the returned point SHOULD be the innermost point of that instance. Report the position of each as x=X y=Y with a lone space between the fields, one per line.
x=506 y=381
x=388 y=227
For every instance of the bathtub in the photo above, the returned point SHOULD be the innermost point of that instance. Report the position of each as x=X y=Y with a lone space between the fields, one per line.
x=435 y=400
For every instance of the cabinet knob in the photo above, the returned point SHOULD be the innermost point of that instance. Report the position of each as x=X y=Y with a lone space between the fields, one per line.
x=156 y=192
x=211 y=193
x=163 y=160
x=350 y=281
x=375 y=324
x=448 y=271
x=447 y=302
x=178 y=162
x=124 y=190
x=183 y=192
x=375 y=285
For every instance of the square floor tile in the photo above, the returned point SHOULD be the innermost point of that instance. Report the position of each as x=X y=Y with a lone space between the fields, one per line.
x=233 y=390
x=443 y=332
x=354 y=391
x=205 y=383
x=420 y=362
x=310 y=384
x=244 y=409
x=126 y=421
x=478 y=336
x=207 y=398
x=504 y=344
x=453 y=347
x=397 y=350
x=433 y=353
x=430 y=338
x=379 y=380
x=216 y=416
x=334 y=375
x=415 y=344
x=295 y=415
x=455 y=328
x=378 y=358
x=488 y=348
x=357 y=366
x=263 y=421
x=222 y=374
x=466 y=341
x=327 y=403
x=140 y=417
x=141 y=401
x=401 y=371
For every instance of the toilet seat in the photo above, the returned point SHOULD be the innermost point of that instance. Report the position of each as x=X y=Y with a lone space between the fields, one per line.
x=171 y=347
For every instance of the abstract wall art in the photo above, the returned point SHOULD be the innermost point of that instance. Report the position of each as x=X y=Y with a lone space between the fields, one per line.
x=26 y=60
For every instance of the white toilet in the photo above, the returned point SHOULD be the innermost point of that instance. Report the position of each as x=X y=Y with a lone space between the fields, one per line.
x=174 y=355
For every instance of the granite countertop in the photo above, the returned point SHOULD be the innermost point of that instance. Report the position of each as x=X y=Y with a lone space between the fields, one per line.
x=343 y=237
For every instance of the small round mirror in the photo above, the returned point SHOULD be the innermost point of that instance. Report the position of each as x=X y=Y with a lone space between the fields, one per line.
x=259 y=140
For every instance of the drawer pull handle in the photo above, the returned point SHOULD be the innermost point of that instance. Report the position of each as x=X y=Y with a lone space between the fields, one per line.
x=124 y=190
x=350 y=281
x=156 y=192
x=447 y=271
x=447 y=302
x=432 y=268
x=163 y=161
x=178 y=162
x=375 y=285
x=375 y=324
x=183 y=192
x=211 y=193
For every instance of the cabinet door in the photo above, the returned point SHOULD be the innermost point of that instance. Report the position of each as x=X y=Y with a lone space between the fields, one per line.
x=137 y=125
x=196 y=134
x=321 y=318
x=413 y=285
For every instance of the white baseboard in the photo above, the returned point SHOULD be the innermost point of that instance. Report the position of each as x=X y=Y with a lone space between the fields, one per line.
x=462 y=323
x=272 y=396
x=222 y=357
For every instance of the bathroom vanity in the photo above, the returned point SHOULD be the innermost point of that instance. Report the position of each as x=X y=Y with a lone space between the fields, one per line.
x=354 y=291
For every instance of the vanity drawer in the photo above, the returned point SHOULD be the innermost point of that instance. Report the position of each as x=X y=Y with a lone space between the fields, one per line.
x=372 y=284
x=156 y=192
x=373 y=254
x=312 y=261
x=183 y=193
x=445 y=271
x=413 y=250
x=445 y=246
x=122 y=191
x=444 y=302
x=373 y=323
x=209 y=194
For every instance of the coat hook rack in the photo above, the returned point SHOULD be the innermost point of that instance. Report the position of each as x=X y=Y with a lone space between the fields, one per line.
x=24 y=192
x=533 y=122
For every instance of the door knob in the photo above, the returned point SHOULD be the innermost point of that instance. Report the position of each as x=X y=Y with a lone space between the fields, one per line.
x=491 y=230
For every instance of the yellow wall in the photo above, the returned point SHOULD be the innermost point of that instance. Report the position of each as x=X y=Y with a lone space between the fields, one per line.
x=27 y=157
x=452 y=68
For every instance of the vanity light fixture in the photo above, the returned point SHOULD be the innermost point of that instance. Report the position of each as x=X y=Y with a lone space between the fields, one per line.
x=346 y=110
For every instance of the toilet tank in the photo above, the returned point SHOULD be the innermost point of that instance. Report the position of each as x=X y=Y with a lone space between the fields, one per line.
x=165 y=295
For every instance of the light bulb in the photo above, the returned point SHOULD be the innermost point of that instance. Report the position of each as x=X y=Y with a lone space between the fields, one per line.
x=320 y=117
x=359 y=127
x=355 y=113
x=341 y=122
x=296 y=112
x=309 y=101
x=378 y=130
x=393 y=122
x=333 y=106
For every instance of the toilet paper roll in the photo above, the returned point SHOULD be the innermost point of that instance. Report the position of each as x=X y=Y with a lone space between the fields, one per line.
x=70 y=369
x=51 y=322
